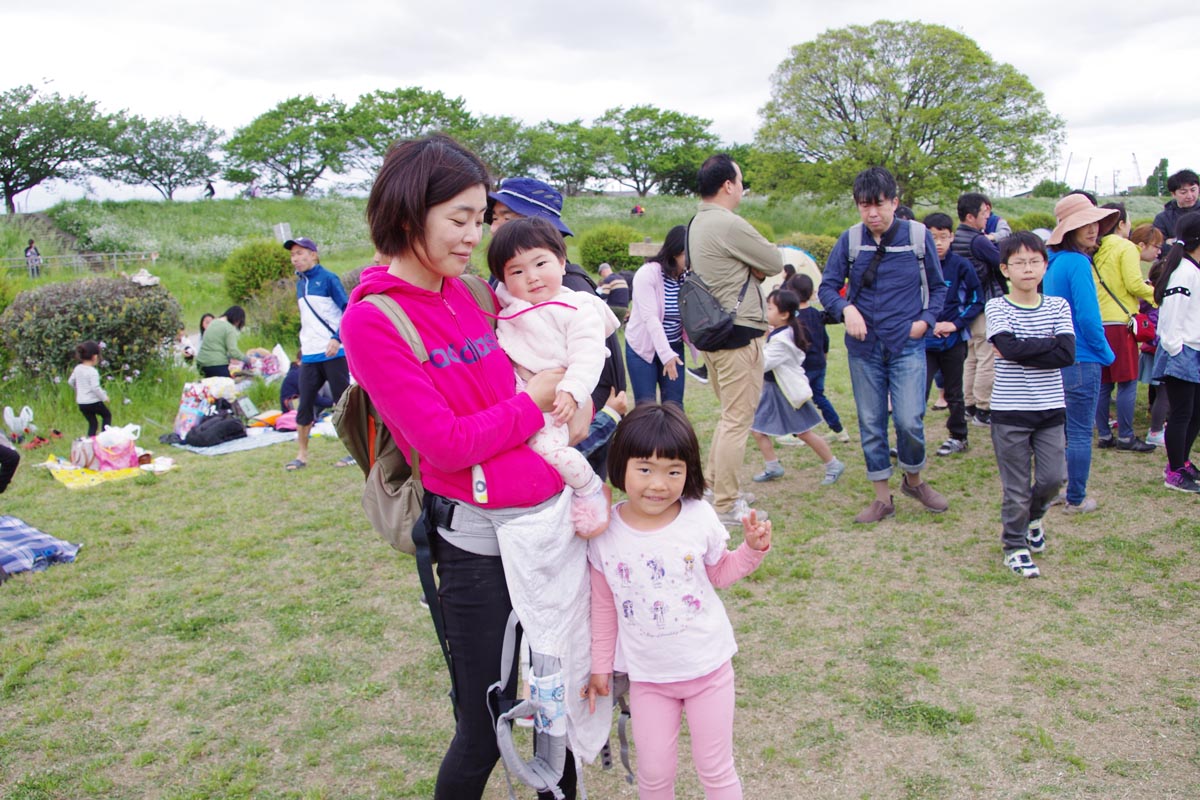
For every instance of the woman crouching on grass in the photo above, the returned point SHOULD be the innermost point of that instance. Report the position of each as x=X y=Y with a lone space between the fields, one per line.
x=459 y=409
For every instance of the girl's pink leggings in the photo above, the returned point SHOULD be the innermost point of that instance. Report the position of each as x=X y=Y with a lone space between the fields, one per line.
x=657 y=710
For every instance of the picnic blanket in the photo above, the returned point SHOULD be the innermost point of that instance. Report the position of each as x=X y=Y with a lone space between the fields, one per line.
x=74 y=477
x=254 y=438
x=23 y=548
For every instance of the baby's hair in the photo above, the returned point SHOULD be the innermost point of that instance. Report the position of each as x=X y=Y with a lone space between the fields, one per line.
x=1021 y=240
x=86 y=351
x=520 y=235
x=656 y=431
x=802 y=285
x=788 y=302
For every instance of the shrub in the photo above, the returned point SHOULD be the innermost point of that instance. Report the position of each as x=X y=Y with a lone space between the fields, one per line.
x=274 y=313
x=1050 y=188
x=1032 y=220
x=763 y=228
x=252 y=266
x=136 y=323
x=819 y=247
x=609 y=243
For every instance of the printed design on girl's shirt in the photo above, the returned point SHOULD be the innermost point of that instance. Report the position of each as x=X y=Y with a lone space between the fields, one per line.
x=689 y=566
x=692 y=604
x=657 y=571
x=659 y=611
x=627 y=609
x=624 y=573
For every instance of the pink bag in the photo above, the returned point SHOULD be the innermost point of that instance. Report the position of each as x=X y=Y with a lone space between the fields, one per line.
x=118 y=456
x=286 y=422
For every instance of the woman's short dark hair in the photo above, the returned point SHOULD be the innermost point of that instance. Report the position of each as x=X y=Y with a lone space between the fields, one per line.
x=674 y=244
x=714 y=172
x=235 y=316
x=417 y=175
x=662 y=431
x=519 y=235
x=1018 y=240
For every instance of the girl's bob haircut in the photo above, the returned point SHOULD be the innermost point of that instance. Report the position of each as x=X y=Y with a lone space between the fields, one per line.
x=519 y=236
x=652 y=430
x=416 y=176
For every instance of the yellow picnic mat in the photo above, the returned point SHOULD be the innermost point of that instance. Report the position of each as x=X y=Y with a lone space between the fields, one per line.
x=74 y=477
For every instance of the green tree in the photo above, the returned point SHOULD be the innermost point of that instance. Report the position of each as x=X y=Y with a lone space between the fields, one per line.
x=651 y=144
x=168 y=153
x=45 y=137
x=922 y=100
x=381 y=118
x=502 y=142
x=568 y=154
x=1049 y=187
x=1156 y=182
x=294 y=144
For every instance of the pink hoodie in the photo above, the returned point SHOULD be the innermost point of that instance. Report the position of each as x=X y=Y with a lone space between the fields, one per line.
x=459 y=409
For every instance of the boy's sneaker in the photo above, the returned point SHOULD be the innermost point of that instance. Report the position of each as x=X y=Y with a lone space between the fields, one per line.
x=1020 y=562
x=1035 y=537
x=952 y=446
x=833 y=471
x=747 y=497
x=982 y=417
x=733 y=517
x=933 y=501
x=769 y=474
x=876 y=512
x=1179 y=481
x=699 y=374
x=1156 y=438
x=1106 y=442
x=1086 y=507
x=789 y=440
x=1134 y=445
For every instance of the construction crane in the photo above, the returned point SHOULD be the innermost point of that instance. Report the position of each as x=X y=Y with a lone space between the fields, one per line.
x=1137 y=170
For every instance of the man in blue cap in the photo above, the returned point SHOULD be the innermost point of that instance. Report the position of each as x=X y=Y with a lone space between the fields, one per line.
x=322 y=299
x=529 y=197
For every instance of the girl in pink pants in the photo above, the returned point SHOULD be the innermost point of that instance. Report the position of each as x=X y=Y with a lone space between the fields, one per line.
x=655 y=612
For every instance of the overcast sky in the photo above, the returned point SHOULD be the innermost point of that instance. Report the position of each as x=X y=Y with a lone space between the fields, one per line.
x=1123 y=86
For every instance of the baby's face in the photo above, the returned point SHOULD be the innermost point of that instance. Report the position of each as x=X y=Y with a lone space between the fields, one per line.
x=534 y=275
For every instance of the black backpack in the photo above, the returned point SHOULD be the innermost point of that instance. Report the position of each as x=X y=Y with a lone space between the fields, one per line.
x=215 y=429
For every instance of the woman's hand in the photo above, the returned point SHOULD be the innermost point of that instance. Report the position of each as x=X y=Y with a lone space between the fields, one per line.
x=757 y=533
x=542 y=387
x=597 y=687
x=671 y=368
x=564 y=407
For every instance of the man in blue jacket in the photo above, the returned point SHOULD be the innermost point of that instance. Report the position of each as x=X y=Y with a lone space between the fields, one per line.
x=322 y=299
x=895 y=294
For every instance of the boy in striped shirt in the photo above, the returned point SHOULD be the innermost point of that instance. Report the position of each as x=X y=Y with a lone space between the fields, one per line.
x=1033 y=339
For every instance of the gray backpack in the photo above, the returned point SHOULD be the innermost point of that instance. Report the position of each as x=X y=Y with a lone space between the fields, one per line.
x=857 y=242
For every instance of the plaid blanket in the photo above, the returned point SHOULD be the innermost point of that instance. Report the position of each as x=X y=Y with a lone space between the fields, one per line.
x=24 y=548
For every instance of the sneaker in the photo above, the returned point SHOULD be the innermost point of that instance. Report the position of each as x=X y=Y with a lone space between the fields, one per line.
x=733 y=517
x=970 y=411
x=1035 y=537
x=699 y=374
x=893 y=452
x=933 y=501
x=1134 y=445
x=952 y=446
x=1021 y=563
x=982 y=417
x=838 y=436
x=876 y=512
x=1190 y=470
x=1060 y=499
x=1179 y=481
x=1156 y=438
x=768 y=474
x=747 y=497
x=1086 y=507
x=788 y=440
x=1106 y=442
x=833 y=471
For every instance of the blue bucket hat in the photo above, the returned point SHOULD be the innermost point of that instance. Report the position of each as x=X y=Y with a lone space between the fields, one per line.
x=530 y=197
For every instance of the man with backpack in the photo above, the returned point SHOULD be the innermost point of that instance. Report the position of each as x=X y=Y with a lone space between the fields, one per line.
x=322 y=299
x=732 y=258
x=973 y=243
x=895 y=295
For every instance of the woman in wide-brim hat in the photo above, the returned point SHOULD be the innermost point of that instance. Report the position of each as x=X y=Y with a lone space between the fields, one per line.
x=1070 y=276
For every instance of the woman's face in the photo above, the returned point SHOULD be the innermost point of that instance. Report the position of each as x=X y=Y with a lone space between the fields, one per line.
x=680 y=264
x=452 y=230
x=1085 y=237
x=1150 y=252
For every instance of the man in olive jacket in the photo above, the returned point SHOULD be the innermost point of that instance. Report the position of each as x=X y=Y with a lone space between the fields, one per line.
x=725 y=251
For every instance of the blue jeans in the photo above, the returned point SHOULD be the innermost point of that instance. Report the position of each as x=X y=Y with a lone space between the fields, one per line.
x=1081 y=384
x=647 y=379
x=816 y=379
x=876 y=377
x=1126 y=399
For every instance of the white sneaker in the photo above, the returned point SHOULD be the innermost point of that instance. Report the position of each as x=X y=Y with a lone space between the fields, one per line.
x=788 y=440
x=733 y=517
x=748 y=497
x=1157 y=439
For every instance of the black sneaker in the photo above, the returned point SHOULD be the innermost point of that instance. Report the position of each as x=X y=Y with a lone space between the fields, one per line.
x=982 y=417
x=1106 y=442
x=1134 y=445
x=700 y=373
x=952 y=446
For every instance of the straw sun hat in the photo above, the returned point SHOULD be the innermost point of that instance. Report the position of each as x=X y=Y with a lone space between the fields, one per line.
x=1075 y=211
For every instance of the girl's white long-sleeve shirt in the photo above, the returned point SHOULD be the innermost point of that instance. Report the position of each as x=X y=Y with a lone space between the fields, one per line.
x=85 y=380
x=1179 y=314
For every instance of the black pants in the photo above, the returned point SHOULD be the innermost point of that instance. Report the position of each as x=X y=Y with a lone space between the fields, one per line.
x=475 y=604
x=1183 y=423
x=91 y=411
x=950 y=362
x=9 y=460
x=219 y=371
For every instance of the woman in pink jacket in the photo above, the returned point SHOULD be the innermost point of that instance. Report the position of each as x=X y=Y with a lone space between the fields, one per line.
x=458 y=409
x=654 y=334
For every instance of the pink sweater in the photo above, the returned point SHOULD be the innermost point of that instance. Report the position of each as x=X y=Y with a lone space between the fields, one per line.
x=459 y=409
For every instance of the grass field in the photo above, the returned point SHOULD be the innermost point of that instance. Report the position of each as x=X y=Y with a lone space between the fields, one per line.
x=232 y=631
